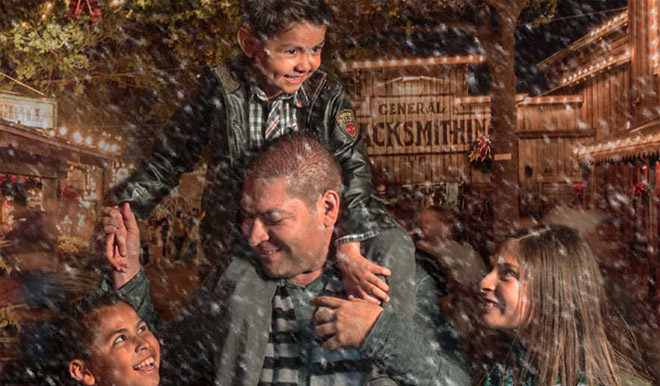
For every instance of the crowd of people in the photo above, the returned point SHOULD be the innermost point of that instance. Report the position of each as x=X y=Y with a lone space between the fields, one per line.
x=170 y=238
x=314 y=282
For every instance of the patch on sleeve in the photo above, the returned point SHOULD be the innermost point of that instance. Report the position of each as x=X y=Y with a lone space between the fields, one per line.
x=346 y=121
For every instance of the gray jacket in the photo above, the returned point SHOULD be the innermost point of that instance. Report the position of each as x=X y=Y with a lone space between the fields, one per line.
x=220 y=337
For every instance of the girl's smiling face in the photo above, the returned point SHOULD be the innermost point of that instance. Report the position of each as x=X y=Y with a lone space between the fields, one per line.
x=505 y=303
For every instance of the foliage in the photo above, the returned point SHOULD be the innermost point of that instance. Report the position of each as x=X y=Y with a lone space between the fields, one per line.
x=141 y=54
x=130 y=69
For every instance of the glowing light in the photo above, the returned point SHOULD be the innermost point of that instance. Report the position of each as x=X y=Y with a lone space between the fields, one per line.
x=412 y=61
x=77 y=137
x=88 y=141
x=62 y=131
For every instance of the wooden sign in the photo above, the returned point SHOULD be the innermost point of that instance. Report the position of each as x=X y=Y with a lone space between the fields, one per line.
x=31 y=112
x=424 y=124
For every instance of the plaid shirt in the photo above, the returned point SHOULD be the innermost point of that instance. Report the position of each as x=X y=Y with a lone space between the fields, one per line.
x=269 y=120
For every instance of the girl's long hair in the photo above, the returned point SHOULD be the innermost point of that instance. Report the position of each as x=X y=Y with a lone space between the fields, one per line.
x=565 y=330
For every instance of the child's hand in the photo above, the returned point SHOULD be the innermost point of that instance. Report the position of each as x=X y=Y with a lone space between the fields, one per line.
x=341 y=323
x=121 y=240
x=359 y=274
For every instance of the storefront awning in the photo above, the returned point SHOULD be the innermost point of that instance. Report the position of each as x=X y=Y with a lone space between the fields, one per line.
x=641 y=142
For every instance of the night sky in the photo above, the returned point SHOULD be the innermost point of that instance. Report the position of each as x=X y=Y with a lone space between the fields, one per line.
x=536 y=44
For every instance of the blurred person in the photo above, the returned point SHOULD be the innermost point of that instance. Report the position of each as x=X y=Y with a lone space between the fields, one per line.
x=32 y=241
x=457 y=270
x=545 y=291
x=155 y=237
x=179 y=235
x=462 y=265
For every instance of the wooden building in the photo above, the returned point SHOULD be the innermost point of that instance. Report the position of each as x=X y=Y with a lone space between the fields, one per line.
x=32 y=146
x=615 y=70
x=419 y=123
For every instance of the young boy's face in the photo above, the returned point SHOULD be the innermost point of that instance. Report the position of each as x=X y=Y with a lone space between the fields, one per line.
x=288 y=58
x=124 y=351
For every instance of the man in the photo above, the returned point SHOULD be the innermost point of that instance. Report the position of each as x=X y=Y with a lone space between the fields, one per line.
x=456 y=269
x=461 y=265
x=253 y=324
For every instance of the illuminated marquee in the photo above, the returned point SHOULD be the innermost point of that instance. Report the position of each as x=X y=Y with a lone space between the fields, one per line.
x=31 y=112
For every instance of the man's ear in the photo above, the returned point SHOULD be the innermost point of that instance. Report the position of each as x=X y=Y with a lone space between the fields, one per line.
x=80 y=371
x=248 y=42
x=329 y=204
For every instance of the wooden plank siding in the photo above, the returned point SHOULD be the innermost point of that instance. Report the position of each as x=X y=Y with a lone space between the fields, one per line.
x=415 y=132
x=646 y=85
x=607 y=102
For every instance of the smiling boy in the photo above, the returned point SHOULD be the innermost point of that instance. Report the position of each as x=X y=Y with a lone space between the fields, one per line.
x=274 y=86
x=110 y=345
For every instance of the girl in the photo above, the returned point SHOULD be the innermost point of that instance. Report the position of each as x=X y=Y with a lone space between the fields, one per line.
x=545 y=289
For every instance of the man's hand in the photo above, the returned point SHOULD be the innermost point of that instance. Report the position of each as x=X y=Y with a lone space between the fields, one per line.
x=121 y=246
x=359 y=274
x=344 y=323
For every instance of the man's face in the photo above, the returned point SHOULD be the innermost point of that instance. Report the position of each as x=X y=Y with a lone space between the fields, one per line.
x=288 y=58
x=124 y=350
x=290 y=238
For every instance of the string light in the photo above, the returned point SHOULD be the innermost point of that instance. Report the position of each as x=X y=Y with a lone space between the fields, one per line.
x=610 y=25
x=632 y=142
x=381 y=63
x=597 y=67
x=523 y=99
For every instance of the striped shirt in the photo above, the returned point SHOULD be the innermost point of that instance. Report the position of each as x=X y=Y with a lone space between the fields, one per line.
x=293 y=355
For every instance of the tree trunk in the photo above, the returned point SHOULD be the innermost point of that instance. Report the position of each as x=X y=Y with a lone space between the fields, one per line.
x=499 y=45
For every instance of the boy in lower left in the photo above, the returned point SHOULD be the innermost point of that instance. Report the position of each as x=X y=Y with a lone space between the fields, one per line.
x=109 y=344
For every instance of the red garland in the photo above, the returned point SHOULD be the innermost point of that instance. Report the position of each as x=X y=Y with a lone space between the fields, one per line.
x=640 y=189
x=480 y=150
x=578 y=190
x=76 y=8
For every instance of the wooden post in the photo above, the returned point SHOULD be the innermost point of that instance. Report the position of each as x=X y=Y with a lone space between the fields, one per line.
x=653 y=231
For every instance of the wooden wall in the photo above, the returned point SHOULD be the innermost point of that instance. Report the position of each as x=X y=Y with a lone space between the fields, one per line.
x=646 y=85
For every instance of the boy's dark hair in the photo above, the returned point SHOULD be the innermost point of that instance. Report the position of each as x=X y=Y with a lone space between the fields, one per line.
x=76 y=325
x=268 y=17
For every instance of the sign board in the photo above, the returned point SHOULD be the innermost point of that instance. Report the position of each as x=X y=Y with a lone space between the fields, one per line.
x=31 y=112
x=422 y=124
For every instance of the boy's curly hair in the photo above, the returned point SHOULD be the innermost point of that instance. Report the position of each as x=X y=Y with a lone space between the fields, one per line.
x=268 y=17
x=78 y=322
